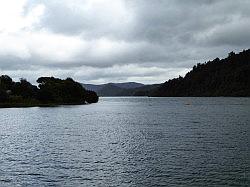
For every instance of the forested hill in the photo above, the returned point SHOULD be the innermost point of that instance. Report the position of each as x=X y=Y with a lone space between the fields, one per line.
x=114 y=89
x=225 y=77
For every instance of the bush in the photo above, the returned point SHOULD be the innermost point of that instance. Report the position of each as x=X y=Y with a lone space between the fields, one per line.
x=91 y=97
x=3 y=96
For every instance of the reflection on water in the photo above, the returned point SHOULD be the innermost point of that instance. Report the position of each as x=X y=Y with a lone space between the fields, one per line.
x=128 y=142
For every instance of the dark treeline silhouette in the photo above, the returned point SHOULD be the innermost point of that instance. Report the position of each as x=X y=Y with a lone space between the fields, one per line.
x=49 y=91
x=226 y=77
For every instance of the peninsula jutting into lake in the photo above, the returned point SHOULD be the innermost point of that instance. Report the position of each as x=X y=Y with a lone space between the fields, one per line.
x=49 y=92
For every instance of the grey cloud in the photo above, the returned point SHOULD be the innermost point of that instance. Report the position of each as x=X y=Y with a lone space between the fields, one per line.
x=162 y=33
x=235 y=34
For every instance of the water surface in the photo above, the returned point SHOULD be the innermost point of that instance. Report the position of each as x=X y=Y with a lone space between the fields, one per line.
x=128 y=142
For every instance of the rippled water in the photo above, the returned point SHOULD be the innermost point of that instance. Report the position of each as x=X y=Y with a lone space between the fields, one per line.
x=128 y=142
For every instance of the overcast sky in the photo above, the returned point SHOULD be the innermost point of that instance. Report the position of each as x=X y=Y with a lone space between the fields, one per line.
x=99 y=41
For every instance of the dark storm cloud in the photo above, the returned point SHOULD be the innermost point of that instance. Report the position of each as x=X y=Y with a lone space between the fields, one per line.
x=152 y=38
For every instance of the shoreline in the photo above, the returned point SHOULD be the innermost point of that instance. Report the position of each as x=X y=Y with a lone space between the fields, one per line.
x=25 y=105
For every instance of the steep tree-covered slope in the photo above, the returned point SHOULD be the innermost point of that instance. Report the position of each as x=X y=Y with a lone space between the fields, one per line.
x=226 y=77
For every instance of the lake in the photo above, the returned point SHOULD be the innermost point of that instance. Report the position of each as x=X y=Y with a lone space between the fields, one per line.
x=136 y=141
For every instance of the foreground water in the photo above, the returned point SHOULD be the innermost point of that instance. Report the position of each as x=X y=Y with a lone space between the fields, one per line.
x=128 y=142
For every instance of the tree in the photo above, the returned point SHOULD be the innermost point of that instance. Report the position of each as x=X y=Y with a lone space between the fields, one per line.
x=50 y=90
x=6 y=82
x=3 y=96
x=24 y=89
x=63 y=91
x=91 y=97
x=231 y=54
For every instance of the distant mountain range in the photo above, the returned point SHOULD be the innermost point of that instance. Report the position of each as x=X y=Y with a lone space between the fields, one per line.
x=125 y=85
x=219 y=77
x=120 y=89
